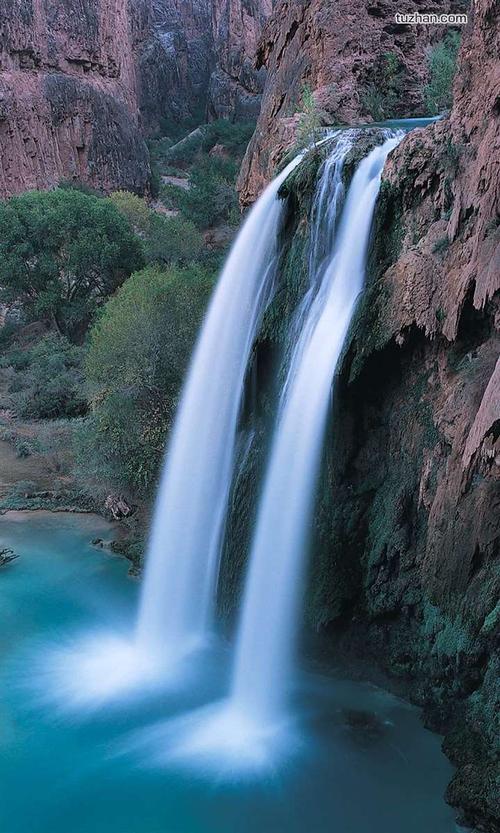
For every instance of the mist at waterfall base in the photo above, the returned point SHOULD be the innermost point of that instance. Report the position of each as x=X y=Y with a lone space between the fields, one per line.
x=175 y=609
x=366 y=764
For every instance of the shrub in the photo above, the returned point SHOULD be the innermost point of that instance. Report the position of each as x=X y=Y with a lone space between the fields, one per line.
x=441 y=59
x=25 y=448
x=62 y=253
x=167 y=240
x=441 y=244
x=311 y=120
x=50 y=383
x=138 y=352
x=134 y=208
x=173 y=240
x=233 y=136
x=382 y=95
x=211 y=198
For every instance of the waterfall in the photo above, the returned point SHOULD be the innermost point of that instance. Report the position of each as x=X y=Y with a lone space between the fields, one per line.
x=276 y=566
x=247 y=730
x=182 y=560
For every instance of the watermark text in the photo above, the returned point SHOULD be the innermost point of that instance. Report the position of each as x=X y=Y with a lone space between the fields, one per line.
x=419 y=18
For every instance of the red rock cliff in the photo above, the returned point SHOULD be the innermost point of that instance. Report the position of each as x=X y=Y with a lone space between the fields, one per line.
x=337 y=48
x=424 y=373
x=68 y=93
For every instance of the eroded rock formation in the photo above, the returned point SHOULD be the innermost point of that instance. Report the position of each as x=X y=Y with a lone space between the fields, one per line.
x=339 y=50
x=200 y=60
x=82 y=81
x=68 y=94
x=420 y=473
x=236 y=84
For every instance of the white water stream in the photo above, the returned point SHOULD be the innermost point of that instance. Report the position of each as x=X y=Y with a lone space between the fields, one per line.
x=182 y=560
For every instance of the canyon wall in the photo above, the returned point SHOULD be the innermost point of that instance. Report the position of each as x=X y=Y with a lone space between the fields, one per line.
x=68 y=93
x=412 y=498
x=199 y=61
x=83 y=81
x=236 y=85
x=340 y=51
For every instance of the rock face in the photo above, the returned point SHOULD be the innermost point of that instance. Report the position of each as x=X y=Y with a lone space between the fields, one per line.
x=176 y=62
x=81 y=82
x=68 y=94
x=236 y=85
x=340 y=51
x=199 y=60
x=415 y=500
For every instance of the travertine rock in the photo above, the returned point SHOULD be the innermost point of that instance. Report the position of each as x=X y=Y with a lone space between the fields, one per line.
x=425 y=376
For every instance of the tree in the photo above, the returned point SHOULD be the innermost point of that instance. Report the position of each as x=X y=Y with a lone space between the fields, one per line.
x=138 y=352
x=170 y=240
x=62 y=253
x=173 y=241
x=441 y=60
x=48 y=380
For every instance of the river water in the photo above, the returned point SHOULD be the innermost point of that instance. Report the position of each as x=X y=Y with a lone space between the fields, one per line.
x=359 y=761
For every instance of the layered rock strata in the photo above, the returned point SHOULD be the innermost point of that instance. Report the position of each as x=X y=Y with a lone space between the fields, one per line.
x=348 y=56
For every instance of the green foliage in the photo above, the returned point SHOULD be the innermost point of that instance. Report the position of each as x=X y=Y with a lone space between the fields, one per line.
x=381 y=97
x=48 y=382
x=311 y=120
x=441 y=245
x=173 y=241
x=166 y=240
x=134 y=208
x=62 y=253
x=174 y=129
x=138 y=352
x=234 y=137
x=211 y=197
x=7 y=332
x=442 y=58
x=24 y=448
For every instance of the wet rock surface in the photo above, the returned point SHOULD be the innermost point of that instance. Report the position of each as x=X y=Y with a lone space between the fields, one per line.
x=415 y=495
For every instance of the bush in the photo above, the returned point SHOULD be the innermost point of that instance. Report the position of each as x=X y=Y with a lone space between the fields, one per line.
x=311 y=120
x=166 y=240
x=173 y=240
x=134 y=208
x=49 y=381
x=442 y=58
x=138 y=352
x=62 y=253
x=211 y=198
x=25 y=448
x=382 y=96
x=233 y=136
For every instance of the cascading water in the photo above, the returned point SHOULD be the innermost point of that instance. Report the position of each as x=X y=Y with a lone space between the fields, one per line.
x=183 y=553
x=242 y=725
x=265 y=639
x=175 y=609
